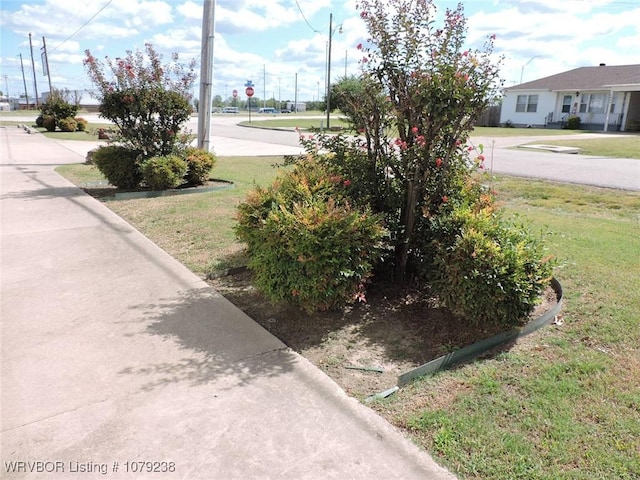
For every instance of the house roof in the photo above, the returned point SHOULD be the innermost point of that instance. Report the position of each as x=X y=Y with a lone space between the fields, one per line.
x=586 y=78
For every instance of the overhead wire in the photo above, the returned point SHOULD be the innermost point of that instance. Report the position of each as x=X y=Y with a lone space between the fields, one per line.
x=305 y=19
x=82 y=26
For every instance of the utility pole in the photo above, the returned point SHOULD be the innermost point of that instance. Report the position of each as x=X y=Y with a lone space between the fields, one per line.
x=346 y=53
x=33 y=68
x=46 y=63
x=295 y=108
x=264 y=85
x=24 y=80
x=206 y=76
x=329 y=69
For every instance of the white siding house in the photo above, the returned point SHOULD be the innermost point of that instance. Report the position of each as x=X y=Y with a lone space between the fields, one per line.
x=603 y=97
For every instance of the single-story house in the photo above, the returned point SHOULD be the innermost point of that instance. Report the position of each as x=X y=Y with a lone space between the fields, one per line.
x=605 y=98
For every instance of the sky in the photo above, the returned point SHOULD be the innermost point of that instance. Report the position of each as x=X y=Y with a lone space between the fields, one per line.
x=274 y=42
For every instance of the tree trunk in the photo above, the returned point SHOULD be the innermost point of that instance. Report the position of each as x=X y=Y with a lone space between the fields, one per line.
x=408 y=224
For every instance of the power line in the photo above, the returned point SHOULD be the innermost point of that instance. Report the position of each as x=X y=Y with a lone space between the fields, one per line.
x=305 y=19
x=82 y=26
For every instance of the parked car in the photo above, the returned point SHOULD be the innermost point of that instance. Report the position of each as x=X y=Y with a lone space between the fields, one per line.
x=230 y=110
x=285 y=110
x=267 y=110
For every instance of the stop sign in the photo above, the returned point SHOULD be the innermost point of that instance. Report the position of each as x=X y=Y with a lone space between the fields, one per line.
x=249 y=91
x=235 y=93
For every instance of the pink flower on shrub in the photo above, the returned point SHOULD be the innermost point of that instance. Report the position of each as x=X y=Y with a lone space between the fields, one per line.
x=469 y=149
x=295 y=292
x=421 y=141
x=363 y=14
x=414 y=130
x=445 y=199
x=346 y=183
x=438 y=162
x=359 y=47
x=481 y=158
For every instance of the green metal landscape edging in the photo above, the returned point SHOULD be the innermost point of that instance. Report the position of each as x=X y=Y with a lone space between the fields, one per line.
x=478 y=348
x=168 y=193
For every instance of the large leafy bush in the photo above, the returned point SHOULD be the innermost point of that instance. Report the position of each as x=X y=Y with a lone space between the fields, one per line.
x=199 y=165
x=307 y=244
x=162 y=173
x=119 y=164
x=489 y=270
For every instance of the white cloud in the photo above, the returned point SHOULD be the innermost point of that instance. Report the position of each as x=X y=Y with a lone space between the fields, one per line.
x=547 y=37
x=191 y=10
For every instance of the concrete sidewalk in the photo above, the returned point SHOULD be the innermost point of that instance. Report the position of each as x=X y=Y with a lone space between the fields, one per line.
x=113 y=354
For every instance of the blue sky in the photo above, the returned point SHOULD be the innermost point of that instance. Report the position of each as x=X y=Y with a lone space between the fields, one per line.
x=269 y=41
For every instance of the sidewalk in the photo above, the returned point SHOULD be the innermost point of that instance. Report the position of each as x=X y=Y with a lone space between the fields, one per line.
x=113 y=353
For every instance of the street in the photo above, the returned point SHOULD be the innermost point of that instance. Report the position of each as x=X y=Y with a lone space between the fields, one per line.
x=501 y=153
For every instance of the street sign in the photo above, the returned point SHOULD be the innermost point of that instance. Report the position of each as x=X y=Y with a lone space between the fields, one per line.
x=249 y=91
x=235 y=93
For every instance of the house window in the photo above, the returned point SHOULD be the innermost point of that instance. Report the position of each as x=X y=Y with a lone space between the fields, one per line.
x=527 y=103
x=593 y=103
x=566 y=103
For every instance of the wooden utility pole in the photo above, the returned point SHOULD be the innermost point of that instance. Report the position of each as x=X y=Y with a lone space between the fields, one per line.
x=329 y=68
x=33 y=68
x=206 y=75
x=24 y=80
x=46 y=64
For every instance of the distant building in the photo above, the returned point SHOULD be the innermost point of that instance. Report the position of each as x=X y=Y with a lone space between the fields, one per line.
x=603 y=97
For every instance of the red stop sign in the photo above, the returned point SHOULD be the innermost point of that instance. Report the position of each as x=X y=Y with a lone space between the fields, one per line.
x=249 y=91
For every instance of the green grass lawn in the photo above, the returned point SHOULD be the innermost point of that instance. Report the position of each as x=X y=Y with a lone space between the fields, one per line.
x=563 y=403
x=623 y=146
x=304 y=124
x=520 y=132
x=91 y=134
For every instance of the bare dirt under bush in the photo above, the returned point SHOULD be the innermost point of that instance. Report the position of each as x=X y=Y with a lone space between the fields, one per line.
x=398 y=329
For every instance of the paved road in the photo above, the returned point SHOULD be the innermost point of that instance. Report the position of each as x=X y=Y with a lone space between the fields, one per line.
x=228 y=138
x=501 y=156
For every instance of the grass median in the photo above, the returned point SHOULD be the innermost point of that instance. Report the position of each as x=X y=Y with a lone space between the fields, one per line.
x=622 y=146
x=561 y=403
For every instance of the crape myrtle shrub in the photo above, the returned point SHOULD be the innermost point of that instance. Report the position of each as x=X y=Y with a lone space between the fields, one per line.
x=308 y=244
x=435 y=89
x=413 y=169
x=57 y=108
x=147 y=100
